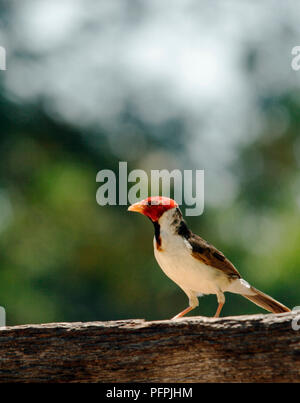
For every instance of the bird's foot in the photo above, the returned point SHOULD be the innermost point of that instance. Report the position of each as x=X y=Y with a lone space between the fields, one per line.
x=181 y=314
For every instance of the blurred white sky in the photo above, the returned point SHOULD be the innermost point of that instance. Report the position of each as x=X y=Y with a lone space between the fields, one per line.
x=165 y=60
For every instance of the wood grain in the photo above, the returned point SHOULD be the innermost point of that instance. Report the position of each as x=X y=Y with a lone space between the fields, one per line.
x=254 y=348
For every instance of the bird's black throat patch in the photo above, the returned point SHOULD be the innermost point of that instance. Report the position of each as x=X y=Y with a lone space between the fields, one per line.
x=157 y=234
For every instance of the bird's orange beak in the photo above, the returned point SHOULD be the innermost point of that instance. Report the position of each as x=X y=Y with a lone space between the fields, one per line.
x=137 y=207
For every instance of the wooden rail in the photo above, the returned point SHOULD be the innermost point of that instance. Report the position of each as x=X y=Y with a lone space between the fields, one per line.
x=254 y=348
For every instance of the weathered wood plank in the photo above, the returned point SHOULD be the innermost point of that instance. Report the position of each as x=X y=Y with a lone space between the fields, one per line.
x=255 y=348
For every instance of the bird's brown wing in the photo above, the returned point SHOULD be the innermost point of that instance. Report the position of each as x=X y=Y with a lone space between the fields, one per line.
x=211 y=256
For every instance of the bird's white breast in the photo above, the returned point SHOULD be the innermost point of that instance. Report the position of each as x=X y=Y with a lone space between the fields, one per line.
x=175 y=259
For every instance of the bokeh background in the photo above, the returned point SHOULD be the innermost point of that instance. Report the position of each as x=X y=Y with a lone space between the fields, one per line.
x=183 y=84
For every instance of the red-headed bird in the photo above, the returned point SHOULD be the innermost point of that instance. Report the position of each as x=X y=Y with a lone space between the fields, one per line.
x=192 y=263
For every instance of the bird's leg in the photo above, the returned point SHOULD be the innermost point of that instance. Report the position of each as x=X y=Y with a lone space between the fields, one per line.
x=193 y=303
x=220 y=306
x=221 y=301
x=180 y=314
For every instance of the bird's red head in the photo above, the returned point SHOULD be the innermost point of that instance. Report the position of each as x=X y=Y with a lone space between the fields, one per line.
x=153 y=207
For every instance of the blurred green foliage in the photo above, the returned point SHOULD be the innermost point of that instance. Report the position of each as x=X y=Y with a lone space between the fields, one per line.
x=65 y=258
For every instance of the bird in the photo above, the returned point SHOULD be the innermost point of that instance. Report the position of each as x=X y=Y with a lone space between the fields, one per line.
x=196 y=266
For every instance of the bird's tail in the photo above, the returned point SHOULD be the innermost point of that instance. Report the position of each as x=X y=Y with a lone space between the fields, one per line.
x=265 y=301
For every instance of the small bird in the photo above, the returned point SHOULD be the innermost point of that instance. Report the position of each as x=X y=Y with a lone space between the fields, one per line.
x=197 y=267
